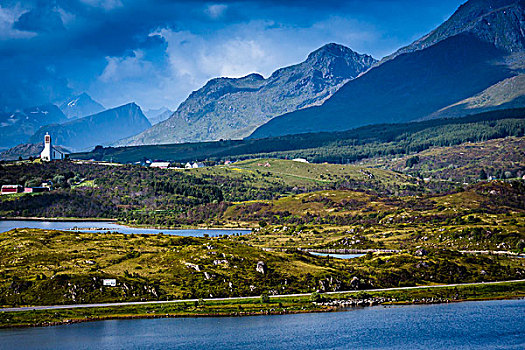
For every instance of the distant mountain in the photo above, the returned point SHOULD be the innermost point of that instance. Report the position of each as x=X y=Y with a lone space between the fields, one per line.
x=156 y=116
x=18 y=126
x=479 y=47
x=27 y=150
x=80 y=106
x=227 y=108
x=103 y=128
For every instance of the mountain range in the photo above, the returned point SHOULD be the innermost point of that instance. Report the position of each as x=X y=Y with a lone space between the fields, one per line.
x=158 y=115
x=17 y=127
x=227 y=108
x=99 y=129
x=471 y=63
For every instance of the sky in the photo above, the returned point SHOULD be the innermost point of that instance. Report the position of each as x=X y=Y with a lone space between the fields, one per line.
x=156 y=52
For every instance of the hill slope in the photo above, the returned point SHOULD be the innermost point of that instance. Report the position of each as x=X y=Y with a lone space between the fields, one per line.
x=228 y=108
x=474 y=50
x=352 y=145
x=102 y=128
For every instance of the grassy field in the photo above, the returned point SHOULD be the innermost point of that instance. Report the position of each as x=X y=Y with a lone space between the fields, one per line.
x=43 y=267
x=499 y=158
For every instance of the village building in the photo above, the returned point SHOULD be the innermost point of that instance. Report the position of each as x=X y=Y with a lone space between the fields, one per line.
x=194 y=165
x=10 y=189
x=50 y=153
x=36 y=189
x=161 y=165
x=109 y=282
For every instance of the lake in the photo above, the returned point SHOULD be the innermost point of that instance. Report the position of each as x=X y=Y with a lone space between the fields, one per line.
x=338 y=256
x=468 y=325
x=100 y=226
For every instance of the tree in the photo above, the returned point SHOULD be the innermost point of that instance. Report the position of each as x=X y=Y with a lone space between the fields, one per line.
x=265 y=298
x=482 y=174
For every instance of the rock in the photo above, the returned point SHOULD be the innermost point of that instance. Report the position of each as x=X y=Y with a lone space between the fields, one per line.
x=193 y=266
x=354 y=283
x=207 y=275
x=421 y=252
x=261 y=267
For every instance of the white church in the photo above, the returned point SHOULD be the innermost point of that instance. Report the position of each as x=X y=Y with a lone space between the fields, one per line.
x=50 y=153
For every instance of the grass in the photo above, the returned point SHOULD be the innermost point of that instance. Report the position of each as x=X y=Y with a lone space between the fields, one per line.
x=45 y=267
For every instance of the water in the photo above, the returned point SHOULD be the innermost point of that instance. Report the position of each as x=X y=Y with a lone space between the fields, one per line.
x=469 y=325
x=339 y=256
x=6 y=225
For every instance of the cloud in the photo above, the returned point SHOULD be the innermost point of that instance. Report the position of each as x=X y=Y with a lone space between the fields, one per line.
x=130 y=67
x=8 y=17
x=156 y=52
x=104 y=4
x=40 y=19
x=215 y=11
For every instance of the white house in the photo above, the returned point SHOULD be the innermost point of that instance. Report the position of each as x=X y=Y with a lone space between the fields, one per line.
x=300 y=160
x=109 y=282
x=194 y=165
x=161 y=165
x=50 y=153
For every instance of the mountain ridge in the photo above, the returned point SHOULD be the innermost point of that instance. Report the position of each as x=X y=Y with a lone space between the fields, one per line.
x=229 y=108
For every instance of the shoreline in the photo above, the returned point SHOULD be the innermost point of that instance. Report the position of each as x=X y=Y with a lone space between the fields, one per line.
x=255 y=306
x=115 y=221
x=267 y=312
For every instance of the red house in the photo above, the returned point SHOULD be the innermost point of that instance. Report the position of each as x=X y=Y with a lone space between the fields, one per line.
x=10 y=189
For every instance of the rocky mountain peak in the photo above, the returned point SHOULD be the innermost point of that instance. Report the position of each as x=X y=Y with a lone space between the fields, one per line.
x=499 y=22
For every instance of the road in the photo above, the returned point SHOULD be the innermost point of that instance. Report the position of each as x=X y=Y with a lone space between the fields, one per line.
x=130 y=303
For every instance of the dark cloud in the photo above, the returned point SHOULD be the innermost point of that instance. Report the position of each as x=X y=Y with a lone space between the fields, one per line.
x=60 y=47
x=40 y=19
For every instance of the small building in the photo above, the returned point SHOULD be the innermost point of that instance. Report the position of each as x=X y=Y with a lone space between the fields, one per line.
x=10 y=189
x=109 y=282
x=160 y=165
x=50 y=153
x=36 y=189
x=194 y=165
x=300 y=160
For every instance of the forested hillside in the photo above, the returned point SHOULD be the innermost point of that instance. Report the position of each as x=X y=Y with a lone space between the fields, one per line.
x=337 y=147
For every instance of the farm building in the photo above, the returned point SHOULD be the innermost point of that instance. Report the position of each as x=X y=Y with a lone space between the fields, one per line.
x=10 y=189
x=161 y=165
x=36 y=189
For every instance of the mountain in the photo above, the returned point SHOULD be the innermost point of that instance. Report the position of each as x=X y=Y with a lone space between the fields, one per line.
x=156 y=116
x=227 y=108
x=27 y=150
x=479 y=47
x=99 y=129
x=16 y=127
x=81 y=106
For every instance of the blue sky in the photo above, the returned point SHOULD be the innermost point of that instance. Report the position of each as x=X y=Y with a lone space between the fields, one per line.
x=155 y=52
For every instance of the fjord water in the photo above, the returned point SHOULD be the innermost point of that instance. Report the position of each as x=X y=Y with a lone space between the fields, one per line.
x=468 y=325
x=101 y=226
